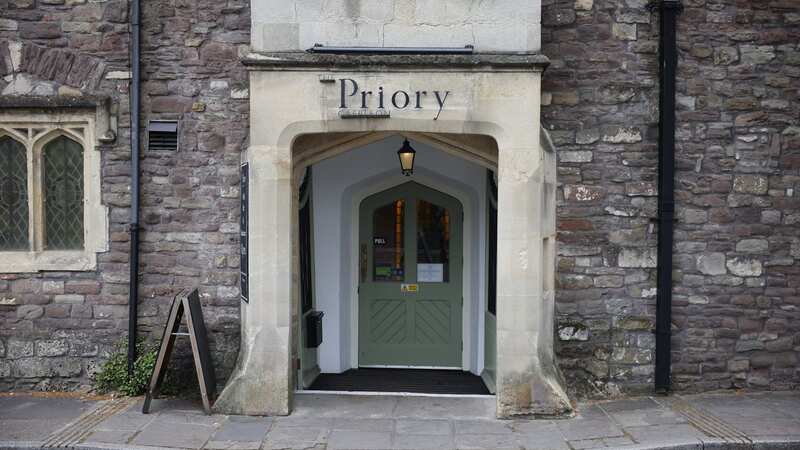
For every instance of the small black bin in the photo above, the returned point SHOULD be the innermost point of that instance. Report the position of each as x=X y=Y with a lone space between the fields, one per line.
x=314 y=329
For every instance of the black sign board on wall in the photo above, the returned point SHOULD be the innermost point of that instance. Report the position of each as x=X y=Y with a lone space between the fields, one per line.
x=187 y=302
x=244 y=246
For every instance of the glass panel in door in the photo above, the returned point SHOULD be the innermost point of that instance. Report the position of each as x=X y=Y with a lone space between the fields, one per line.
x=388 y=239
x=433 y=243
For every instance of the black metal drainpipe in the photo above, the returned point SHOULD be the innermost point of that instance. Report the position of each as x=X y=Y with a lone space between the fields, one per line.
x=133 y=227
x=668 y=60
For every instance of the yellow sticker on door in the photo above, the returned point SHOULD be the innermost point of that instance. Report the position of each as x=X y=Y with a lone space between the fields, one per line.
x=406 y=287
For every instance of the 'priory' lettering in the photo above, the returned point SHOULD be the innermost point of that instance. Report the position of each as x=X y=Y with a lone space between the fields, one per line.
x=399 y=99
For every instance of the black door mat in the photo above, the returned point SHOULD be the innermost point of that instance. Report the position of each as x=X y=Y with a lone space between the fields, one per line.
x=419 y=381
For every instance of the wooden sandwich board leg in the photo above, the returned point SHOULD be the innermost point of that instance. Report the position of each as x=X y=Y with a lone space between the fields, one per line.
x=165 y=350
x=200 y=351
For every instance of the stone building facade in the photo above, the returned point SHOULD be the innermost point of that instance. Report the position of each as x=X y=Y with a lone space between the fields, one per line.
x=736 y=292
x=58 y=326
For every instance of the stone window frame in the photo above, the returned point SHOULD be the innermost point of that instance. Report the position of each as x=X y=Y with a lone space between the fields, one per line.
x=79 y=126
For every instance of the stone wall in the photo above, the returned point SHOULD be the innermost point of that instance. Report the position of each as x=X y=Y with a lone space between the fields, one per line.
x=56 y=326
x=737 y=262
x=737 y=278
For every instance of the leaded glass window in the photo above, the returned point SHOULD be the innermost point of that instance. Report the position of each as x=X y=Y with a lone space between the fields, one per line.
x=62 y=171
x=13 y=195
x=51 y=211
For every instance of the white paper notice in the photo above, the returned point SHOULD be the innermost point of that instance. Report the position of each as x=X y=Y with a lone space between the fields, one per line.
x=430 y=273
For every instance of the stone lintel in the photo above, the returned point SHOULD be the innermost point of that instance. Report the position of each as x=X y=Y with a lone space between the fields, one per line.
x=54 y=101
x=534 y=62
x=105 y=127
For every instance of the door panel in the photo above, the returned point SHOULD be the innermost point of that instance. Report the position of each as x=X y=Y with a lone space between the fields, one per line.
x=410 y=301
x=388 y=321
x=432 y=322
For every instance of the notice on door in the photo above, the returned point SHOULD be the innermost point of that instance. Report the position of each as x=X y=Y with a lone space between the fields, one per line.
x=430 y=273
x=405 y=287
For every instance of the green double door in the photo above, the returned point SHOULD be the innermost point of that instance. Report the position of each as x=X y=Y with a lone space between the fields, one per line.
x=410 y=273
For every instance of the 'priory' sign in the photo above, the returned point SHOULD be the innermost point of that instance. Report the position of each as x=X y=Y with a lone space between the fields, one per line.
x=360 y=103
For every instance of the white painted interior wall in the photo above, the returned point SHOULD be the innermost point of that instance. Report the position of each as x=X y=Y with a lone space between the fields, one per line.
x=341 y=181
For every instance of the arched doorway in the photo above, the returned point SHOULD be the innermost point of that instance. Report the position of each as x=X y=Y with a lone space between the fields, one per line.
x=296 y=120
x=342 y=183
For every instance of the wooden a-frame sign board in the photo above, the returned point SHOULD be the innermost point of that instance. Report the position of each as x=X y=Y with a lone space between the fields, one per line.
x=187 y=302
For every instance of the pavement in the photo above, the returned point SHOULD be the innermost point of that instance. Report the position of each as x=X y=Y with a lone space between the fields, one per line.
x=730 y=420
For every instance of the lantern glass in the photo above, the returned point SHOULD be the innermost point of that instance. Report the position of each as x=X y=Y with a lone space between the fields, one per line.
x=406 y=155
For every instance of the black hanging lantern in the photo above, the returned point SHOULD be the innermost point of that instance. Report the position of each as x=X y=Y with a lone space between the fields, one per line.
x=406 y=155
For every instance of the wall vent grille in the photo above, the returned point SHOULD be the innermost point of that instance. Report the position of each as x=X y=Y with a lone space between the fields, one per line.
x=162 y=135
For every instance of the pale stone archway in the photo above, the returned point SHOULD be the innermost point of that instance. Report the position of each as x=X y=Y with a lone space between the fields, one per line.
x=493 y=100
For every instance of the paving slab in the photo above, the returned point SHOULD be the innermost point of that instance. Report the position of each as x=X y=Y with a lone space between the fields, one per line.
x=637 y=404
x=359 y=440
x=646 y=417
x=483 y=427
x=232 y=445
x=171 y=405
x=33 y=418
x=26 y=430
x=192 y=418
x=239 y=428
x=542 y=441
x=344 y=406
x=295 y=437
x=587 y=411
x=640 y=412
x=423 y=442
x=301 y=422
x=618 y=442
x=111 y=436
x=423 y=427
x=364 y=424
x=180 y=435
x=579 y=430
x=663 y=434
x=587 y=444
x=446 y=407
x=537 y=427
x=486 y=441
x=127 y=421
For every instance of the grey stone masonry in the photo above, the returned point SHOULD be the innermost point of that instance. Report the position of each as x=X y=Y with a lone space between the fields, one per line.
x=600 y=105
x=736 y=316
x=739 y=163
x=56 y=327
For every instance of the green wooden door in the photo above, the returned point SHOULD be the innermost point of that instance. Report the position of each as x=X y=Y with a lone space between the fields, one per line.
x=410 y=271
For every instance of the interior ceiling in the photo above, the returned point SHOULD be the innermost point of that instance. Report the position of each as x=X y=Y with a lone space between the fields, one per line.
x=311 y=148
